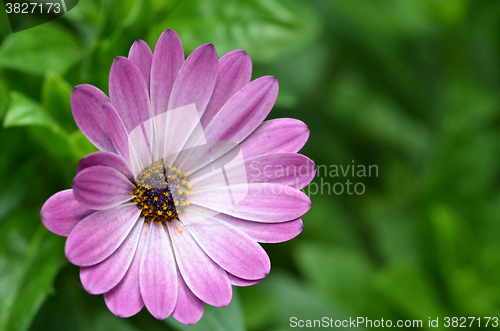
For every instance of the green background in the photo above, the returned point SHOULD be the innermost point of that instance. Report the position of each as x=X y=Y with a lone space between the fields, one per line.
x=411 y=86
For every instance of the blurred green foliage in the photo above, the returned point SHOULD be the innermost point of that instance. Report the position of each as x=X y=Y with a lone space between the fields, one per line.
x=410 y=86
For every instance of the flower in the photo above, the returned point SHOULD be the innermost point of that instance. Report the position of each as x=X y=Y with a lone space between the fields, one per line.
x=168 y=214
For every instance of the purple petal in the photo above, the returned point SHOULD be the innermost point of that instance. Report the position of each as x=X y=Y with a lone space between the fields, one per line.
x=244 y=112
x=128 y=93
x=125 y=299
x=86 y=105
x=158 y=274
x=196 y=79
x=106 y=159
x=204 y=277
x=117 y=131
x=276 y=136
x=100 y=187
x=236 y=281
x=289 y=169
x=239 y=117
x=104 y=276
x=97 y=236
x=140 y=150
x=61 y=213
x=235 y=71
x=189 y=308
x=167 y=61
x=266 y=232
x=268 y=203
x=140 y=54
x=230 y=248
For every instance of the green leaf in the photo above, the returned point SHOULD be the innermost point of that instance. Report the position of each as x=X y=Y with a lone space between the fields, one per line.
x=106 y=321
x=56 y=97
x=229 y=318
x=292 y=298
x=472 y=293
x=287 y=98
x=410 y=292
x=10 y=200
x=445 y=227
x=39 y=49
x=26 y=112
x=4 y=99
x=318 y=221
x=338 y=271
x=4 y=24
x=257 y=308
x=375 y=116
x=386 y=18
x=81 y=145
x=266 y=29
x=30 y=258
x=307 y=78
x=341 y=273
x=56 y=143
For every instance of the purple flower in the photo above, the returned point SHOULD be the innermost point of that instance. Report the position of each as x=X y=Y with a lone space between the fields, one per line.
x=168 y=214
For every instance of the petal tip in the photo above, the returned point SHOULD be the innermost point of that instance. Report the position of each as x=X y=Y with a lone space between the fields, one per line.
x=169 y=31
x=67 y=253
x=239 y=53
x=119 y=60
x=159 y=315
x=208 y=47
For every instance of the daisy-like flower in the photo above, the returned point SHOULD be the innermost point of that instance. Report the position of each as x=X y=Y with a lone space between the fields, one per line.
x=188 y=180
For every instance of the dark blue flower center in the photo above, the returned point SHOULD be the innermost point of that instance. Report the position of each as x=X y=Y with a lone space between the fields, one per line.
x=161 y=192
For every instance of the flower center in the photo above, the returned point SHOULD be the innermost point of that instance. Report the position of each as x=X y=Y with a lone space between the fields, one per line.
x=161 y=192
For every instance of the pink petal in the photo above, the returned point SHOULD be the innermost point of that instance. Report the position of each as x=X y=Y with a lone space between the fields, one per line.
x=276 y=136
x=128 y=93
x=189 y=308
x=100 y=187
x=125 y=299
x=268 y=203
x=106 y=159
x=196 y=79
x=158 y=274
x=102 y=277
x=244 y=112
x=117 y=131
x=86 y=105
x=140 y=54
x=207 y=280
x=236 y=281
x=230 y=248
x=140 y=148
x=61 y=213
x=235 y=71
x=167 y=61
x=97 y=236
x=289 y=169
x=266 y=232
